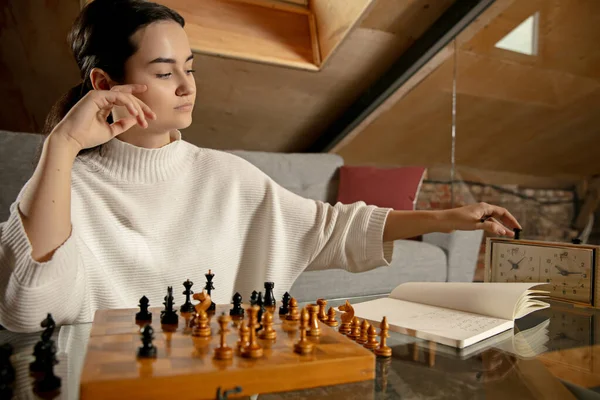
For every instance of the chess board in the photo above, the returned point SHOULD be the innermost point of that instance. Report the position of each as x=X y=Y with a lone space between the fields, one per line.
x=186 y=369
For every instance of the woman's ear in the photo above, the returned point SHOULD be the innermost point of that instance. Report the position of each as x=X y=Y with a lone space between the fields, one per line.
x=100 y=80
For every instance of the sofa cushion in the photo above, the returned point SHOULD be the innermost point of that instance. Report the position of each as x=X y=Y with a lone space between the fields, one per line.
x=395 y=188
x=411 y=262
x=314 y=176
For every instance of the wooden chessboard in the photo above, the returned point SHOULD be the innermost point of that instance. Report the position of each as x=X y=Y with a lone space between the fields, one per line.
x=185 y=368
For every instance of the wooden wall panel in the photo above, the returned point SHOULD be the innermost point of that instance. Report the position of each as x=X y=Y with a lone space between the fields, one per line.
x=524 y=114
x=35 y=64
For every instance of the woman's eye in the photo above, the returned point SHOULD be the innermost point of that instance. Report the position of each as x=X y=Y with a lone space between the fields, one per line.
x=163 y=75
x=191 y=71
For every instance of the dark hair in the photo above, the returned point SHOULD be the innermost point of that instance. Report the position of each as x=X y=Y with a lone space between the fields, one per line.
x=101 y=38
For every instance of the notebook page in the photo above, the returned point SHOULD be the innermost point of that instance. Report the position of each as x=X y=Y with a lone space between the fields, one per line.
x=498 y=300
x=449 y=327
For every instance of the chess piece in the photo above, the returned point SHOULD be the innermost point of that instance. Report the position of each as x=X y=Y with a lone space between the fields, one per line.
x=7 y=371
x=354 y=329
x=293 y=315
x=383 y=350
x=253 y=298
x=372 y=338
x=261 y=309
x=48 y=382
x=252 y=349
x=169 y=316
x=223 y=352
x=284 y=309
x=517 y=232
x=303 y=346
x=147 y=349
x=237 y=310
x=204 y=300
x=144 y=314
x=244 y=335
x=269 y=300
x=43 y=347
x=187 y=307
x=322 y=315
x=313 y=322
x=48 y=324
x=331 y=321
x=364 y=332
x=202 y=326
x=209 y=288
x=347 y=317
x=267 y=332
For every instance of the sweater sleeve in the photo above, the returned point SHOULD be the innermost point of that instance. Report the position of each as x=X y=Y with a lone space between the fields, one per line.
x=307 y=234
x=30 y=289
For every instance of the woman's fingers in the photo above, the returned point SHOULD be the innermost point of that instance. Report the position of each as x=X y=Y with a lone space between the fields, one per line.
x=501 y=214
x=122 y=125
x=129 y=88
x=492 y=225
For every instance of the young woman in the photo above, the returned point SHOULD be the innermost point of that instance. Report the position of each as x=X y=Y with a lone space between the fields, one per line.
x=120 y=206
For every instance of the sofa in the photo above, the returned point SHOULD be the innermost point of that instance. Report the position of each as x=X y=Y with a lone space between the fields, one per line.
x=438 y=257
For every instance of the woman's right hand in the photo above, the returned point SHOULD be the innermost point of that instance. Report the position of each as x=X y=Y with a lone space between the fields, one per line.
x=85 y=125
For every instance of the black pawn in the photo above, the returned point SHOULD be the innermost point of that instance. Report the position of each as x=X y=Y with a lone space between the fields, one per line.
x=261 y=310
x=147 y=349
x=144 y=315
x=237 y=310
x=269 y=300
x=48 y=382
x=169 y=316
x=253 y=298
x=188 y=307
x=284 y=309
x=209 y=288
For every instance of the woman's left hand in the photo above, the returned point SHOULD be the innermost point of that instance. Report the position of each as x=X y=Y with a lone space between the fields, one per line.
x=492 y=219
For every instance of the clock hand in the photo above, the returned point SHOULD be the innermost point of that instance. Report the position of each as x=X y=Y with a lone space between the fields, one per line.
x=561 y=271
x=521 y=260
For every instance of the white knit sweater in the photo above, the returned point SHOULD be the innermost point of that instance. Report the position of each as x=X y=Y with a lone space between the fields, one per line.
x=145 y=219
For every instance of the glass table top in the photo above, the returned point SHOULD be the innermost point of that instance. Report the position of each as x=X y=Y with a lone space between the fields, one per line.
x=552 y=353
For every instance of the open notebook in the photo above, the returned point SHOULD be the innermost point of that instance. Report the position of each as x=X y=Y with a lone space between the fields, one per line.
x=453 y=313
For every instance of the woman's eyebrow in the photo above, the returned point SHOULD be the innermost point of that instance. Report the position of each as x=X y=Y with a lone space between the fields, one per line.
x=169 y=60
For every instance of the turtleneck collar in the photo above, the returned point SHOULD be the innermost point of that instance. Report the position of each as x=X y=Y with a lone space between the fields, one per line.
x=127 y=162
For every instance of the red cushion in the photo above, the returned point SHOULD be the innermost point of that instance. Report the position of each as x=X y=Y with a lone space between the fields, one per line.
x=395 y=188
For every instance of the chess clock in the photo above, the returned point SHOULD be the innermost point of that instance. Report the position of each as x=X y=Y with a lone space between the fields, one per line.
x=571 y=272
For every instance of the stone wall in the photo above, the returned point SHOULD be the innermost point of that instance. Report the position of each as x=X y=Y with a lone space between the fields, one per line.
x=544 y=214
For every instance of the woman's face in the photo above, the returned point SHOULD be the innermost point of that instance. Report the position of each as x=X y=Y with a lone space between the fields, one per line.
x=163 y=62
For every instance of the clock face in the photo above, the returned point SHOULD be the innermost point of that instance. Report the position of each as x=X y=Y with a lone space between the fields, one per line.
x=567 y=271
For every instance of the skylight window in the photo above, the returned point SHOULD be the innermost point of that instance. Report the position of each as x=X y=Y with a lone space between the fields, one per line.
x=524 y=38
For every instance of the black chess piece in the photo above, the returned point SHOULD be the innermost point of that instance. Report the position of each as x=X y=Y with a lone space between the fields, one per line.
x=43 y=346
x=253 y=298
x=49 y=326
x=237 y=310
x=7 y=371
x=188 y=307
x=261 y=310
x=147 y=349
x=144 y=314
x=517 y=233
x=284 y=309
x=269 y=300
x=209 y=288
x=48 y=382
x=169 y=316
